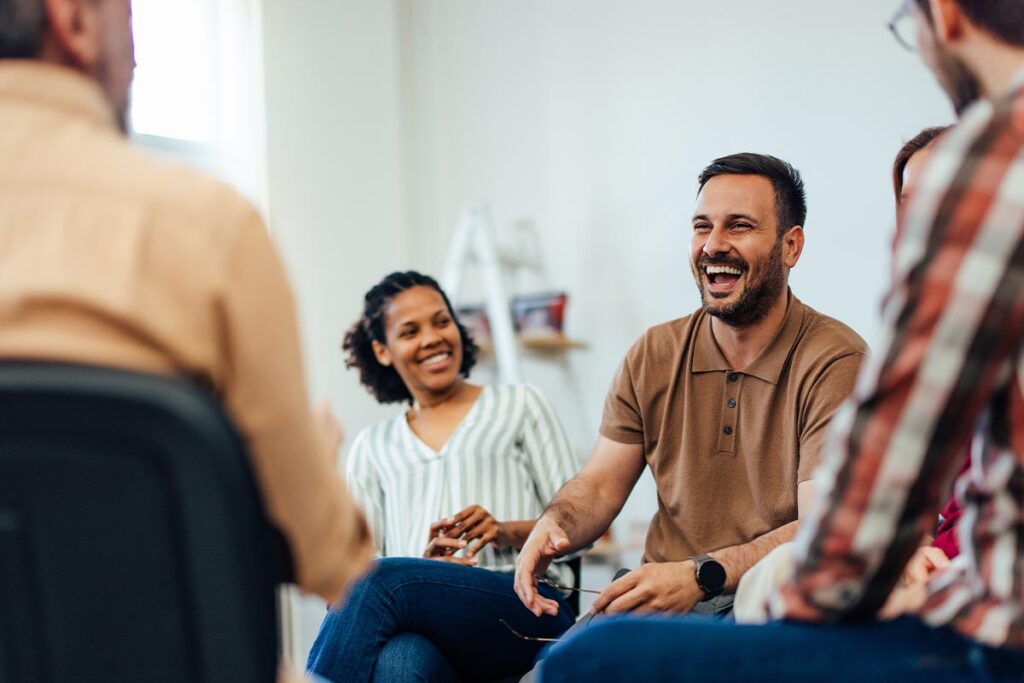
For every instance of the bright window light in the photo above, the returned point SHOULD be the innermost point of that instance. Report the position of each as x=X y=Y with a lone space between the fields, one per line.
x=197 y=94
x=176 y=81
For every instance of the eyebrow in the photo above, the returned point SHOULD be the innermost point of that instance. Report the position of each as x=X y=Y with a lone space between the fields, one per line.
x=731 y=217
x=413 y=323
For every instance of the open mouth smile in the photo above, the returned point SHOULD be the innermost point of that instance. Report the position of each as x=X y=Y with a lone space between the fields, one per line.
x=722 y=278
x=437 y=361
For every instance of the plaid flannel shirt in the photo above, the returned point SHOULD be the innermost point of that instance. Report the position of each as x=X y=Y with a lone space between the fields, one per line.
x=953 y=359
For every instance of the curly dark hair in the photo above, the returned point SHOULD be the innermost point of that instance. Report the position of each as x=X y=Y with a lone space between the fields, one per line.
x=913 y=146
x=383 y=382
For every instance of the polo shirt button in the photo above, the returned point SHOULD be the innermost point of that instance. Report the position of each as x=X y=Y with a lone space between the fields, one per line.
x=727 y=430
x=732 y=403
x=733 y=377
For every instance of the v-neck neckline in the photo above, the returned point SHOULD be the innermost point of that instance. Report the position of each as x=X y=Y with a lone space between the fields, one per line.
x=466 y=420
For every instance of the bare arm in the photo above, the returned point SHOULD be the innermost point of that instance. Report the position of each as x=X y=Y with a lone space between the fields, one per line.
x=580 y=512
x=739 y=558
x=588 y=503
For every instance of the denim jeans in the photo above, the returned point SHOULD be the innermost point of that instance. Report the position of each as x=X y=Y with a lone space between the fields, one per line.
x=691 y=649
x=424 y=620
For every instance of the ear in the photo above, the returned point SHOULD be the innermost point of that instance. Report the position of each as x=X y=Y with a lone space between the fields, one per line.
x=75 y=34
x=382 y=354
x=947 y=20
x=792 y=245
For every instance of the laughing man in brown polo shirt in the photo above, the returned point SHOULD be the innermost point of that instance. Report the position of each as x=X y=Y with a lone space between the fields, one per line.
x=728 y=406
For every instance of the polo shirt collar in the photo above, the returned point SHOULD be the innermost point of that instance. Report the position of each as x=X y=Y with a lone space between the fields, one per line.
x=37 y=83
x=708 y=357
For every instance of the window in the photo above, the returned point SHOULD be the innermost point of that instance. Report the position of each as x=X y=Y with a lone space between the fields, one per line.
x=198 y=94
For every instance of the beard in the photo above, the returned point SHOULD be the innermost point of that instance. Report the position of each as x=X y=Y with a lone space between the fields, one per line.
x=961 y=85
x=765 y=284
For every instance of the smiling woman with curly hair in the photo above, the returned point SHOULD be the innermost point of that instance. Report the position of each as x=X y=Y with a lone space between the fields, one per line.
x=434 y=481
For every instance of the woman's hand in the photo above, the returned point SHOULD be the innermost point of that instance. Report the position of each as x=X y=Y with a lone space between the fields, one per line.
x=926 y=561
x=443 y=548
x=475 y=527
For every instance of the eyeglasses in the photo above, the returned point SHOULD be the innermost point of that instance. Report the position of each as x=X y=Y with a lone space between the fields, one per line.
x=904 y=25
x=549 y=582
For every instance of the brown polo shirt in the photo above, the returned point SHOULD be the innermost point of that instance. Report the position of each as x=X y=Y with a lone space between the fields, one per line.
x=728 y=447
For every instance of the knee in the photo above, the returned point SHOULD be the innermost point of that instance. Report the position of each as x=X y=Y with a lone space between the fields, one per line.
x=411 y=657
x=386 y=576
x=586 y=653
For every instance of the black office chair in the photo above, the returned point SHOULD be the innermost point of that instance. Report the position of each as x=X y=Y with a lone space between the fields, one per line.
x=133 y=541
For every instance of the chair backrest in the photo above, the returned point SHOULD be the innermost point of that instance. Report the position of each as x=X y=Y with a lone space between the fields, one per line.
x=133 y=541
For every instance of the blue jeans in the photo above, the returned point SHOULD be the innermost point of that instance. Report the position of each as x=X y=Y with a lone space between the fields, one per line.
x=643 y=650
x=425 y=620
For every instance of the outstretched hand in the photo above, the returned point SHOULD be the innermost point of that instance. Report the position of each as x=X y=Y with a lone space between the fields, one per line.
x=546 y=542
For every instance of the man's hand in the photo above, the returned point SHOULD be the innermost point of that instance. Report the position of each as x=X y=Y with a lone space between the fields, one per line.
x=546 y=541
x=654 y=587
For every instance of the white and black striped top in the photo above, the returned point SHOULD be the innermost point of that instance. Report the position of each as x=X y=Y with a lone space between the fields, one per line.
x=509 y=455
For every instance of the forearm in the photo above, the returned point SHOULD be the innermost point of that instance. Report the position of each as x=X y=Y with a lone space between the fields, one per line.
x=739 y=558
x=583 y=510
x=516 y=532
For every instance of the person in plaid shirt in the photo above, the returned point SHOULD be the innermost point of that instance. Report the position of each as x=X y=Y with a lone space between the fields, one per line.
x=952 y=363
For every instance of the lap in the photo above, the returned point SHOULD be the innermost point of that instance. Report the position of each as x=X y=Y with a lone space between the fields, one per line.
x=459 y=609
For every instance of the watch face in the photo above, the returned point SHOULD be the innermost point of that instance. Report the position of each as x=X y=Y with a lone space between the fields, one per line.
x=711 y=575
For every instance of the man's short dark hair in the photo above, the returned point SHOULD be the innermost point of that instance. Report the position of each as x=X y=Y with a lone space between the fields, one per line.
x=1004 y=19
x=22 y=28
x=790 y=199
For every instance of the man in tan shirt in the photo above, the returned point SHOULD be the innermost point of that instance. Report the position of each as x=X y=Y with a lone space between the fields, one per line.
x=109 y=257
x=727 y=406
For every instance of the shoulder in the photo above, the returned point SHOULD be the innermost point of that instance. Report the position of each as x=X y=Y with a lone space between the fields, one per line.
x=364 y=451
x=515 y=394
x=193 y=205
x=664 y=341
x=824 y=340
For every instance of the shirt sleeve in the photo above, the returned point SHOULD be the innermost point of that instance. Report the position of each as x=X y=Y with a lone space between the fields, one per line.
x=830 y=390
x=953 y=320
x=622 y=420
x=364 y=483
x=265 y=393
x=547 y=447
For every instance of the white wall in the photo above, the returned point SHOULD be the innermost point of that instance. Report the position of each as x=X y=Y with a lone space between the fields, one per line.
x=335 y=181
x=592 y=119
x=589 y=119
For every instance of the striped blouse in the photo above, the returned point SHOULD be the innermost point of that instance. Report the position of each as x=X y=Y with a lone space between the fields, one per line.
x=954 y=355
x=509 y=455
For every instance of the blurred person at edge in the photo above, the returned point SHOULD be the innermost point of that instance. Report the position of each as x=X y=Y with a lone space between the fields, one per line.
x=114 y=258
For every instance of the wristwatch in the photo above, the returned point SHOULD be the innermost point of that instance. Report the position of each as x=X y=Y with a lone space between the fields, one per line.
x=710 y=575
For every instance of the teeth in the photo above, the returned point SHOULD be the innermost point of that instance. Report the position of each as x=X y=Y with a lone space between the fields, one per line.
x=435 y=359
x=718 y=270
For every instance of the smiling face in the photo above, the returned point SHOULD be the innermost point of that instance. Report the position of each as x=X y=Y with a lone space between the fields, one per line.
x=739 y=261
x=422 y=341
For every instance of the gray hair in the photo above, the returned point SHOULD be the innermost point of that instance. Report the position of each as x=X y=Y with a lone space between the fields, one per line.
x=22 y=28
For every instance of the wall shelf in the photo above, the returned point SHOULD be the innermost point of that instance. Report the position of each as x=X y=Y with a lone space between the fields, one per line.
x=538 y=344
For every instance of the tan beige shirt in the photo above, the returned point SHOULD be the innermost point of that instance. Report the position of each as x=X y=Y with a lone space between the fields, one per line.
x=728 y=448
x=110 y=257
